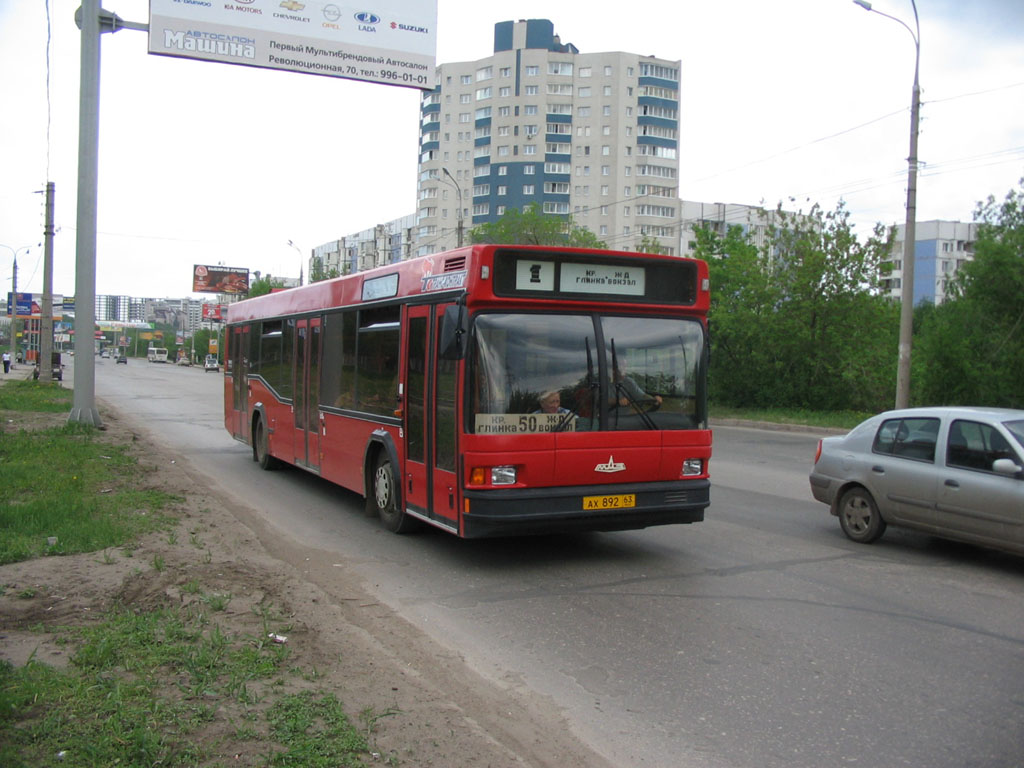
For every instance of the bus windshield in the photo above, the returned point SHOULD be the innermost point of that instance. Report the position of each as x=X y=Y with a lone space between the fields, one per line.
x=582 y=372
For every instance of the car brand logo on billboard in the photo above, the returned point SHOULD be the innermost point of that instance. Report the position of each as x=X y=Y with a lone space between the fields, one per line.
x=365 y=17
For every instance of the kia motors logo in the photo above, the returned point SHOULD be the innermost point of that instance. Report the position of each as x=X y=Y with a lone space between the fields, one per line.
x=365 y=17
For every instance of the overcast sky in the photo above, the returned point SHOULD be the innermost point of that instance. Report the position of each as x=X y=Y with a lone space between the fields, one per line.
x=798 y=101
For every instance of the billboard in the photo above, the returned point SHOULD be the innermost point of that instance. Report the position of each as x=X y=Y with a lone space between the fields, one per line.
x=207 y=279
x=395 y=43
x=214 y=312
x=30 y=304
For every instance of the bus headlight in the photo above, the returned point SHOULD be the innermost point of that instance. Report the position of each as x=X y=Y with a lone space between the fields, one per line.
x=693 y=467
x=503 y=475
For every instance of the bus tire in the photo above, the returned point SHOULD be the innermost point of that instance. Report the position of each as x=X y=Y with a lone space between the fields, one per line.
x=385 y=497
x=261 y=447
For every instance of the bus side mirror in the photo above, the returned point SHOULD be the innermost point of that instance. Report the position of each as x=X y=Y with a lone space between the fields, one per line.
x=454 y=329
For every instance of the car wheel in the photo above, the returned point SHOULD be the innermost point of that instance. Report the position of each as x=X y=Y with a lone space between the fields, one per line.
x=859 y=516
x=261 y=447
x=385 y=497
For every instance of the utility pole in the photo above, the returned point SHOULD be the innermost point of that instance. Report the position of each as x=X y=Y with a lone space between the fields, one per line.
x=14 y=311
x=46 y=321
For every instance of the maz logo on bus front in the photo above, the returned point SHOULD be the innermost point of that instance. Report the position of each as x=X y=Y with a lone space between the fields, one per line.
x=611 y=466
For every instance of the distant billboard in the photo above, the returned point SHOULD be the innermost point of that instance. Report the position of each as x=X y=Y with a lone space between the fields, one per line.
x=30 y=304
x=207 y=279
x=214 y=312
x=394 y=44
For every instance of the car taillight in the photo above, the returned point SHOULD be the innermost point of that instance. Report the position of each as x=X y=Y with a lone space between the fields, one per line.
x=817 y=453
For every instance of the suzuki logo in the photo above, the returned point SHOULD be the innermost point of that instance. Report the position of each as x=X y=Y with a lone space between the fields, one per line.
x=611 y=466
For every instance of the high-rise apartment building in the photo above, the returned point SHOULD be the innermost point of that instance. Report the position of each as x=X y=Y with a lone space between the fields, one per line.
x=594 y=135
x=941 y=248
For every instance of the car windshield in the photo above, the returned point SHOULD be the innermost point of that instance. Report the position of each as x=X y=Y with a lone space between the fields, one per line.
x=1016 y=428
x=563 y=372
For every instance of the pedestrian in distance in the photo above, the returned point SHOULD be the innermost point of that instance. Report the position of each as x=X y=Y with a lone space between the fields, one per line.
x=7 y=362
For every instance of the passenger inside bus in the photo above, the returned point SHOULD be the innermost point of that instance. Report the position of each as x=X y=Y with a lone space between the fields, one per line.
x=551 y=402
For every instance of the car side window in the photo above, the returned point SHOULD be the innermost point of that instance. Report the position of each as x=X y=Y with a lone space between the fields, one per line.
x=912 y=438
x=973 y=445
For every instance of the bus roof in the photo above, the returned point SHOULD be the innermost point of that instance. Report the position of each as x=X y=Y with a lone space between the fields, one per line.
x=452 y=272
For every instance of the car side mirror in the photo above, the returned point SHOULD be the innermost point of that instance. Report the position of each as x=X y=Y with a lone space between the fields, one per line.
x=1006 y=467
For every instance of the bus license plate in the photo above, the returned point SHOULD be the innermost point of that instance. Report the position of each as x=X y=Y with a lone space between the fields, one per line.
x=619 y=501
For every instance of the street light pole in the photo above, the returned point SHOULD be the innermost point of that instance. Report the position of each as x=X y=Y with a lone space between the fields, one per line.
x=909 y=233
x=458 y=191
x=299 y=251
x=13 y=306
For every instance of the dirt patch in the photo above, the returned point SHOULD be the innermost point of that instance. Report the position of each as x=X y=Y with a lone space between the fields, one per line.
x=440 y=712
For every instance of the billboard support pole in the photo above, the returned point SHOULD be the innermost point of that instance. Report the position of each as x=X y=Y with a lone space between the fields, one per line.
x=93 y=21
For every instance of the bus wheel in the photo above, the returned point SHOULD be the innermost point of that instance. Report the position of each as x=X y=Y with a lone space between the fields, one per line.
x=386 y=498
x=261 y=447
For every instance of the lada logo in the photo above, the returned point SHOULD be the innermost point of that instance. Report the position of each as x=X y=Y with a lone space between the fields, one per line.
x=365 y=17
x=611 y=466
x=292 y=5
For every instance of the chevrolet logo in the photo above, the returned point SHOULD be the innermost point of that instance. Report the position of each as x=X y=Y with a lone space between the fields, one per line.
x=611 y=466
x=291 y=5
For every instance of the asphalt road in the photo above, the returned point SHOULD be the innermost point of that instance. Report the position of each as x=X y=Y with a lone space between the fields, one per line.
x=758 y=638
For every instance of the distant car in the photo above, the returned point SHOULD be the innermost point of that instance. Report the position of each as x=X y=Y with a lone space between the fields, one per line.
x=105 y=353
x=211 y=364
x=956 y=473
x=184 y=360
x=122 y=358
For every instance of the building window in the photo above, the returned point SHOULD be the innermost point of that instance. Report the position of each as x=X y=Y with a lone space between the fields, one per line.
x=550 y=207
x=529 y=149
x=502 y=189
x=556 y=187
x=481 y=209
x=532 y=70
x=585 y=71
x=529 y=170
x=466 y=79
x=530 y=90
x=560 y=68
x=503 y=92
x=483 y=93
x=528 y=189
x=505 y=71
x=484 y=73
x=583 y=92
x=502 y=170
x=530 y=109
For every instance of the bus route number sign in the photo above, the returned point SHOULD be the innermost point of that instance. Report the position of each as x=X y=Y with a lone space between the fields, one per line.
x=523 y=423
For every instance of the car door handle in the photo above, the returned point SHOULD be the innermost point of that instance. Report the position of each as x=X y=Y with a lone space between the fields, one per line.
x=952 y=483
x=878 y=469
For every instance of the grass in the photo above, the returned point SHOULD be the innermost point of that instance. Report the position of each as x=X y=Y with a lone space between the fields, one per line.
x=142 y=683
x=171 y=685
x=796 y=416
x=67 y=483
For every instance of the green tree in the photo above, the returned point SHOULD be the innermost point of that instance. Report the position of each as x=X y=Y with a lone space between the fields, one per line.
x=317 y=271
x=799 y=322
x=970 y=349
x=264 y=285
x=650 y=244
x=533 y=227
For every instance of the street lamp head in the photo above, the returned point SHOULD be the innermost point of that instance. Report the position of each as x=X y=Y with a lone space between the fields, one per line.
x=863 y=4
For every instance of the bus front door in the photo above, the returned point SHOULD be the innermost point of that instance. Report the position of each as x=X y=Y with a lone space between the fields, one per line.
x=429 y=487
x=306 y=402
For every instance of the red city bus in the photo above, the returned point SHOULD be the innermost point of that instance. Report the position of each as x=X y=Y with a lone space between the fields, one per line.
x=490 y=390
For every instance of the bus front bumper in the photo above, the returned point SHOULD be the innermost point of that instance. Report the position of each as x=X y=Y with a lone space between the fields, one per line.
x=518 y=511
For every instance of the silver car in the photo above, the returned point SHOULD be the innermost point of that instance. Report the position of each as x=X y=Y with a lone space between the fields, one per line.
x=957 y=473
